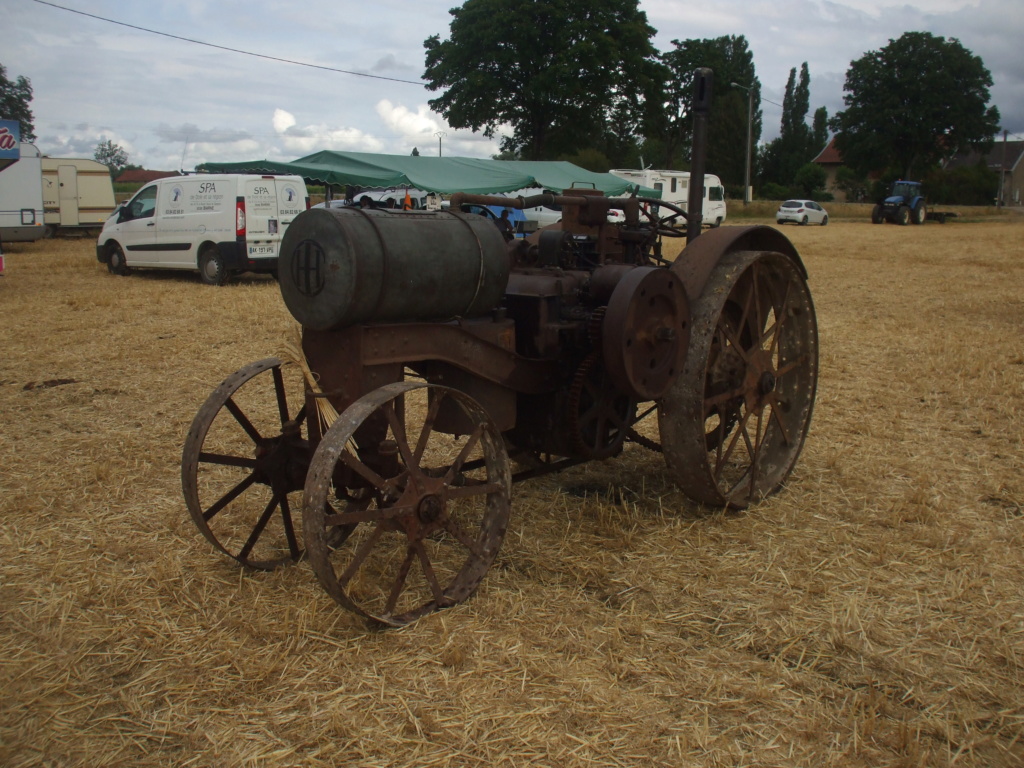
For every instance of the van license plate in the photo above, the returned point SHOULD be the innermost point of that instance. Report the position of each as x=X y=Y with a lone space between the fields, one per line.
x=261 y=250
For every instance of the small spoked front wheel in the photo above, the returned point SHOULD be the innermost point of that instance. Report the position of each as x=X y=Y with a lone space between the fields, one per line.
x=417 y=477
x=244 y=465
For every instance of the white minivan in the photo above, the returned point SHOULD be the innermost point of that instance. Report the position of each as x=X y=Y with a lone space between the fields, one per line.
x=219 y=224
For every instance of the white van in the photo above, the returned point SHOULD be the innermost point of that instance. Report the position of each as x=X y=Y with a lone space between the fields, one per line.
x=675 y=188
x=218 y=224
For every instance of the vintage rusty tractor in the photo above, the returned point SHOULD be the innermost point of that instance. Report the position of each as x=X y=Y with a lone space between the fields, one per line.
x=446 y=351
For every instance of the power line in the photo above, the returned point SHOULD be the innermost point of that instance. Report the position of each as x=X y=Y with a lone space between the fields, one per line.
x=232 y=50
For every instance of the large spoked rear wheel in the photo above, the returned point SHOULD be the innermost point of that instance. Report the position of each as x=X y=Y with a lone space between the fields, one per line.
x=244 y=465
x=733 y=424
x=424 y=511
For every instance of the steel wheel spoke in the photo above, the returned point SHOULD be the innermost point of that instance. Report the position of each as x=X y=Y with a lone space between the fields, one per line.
x=456 y=466
x=243 y=420
x=369 y=515
x=258 y=530
x=361 y=554
x=364 y=471
x=224 y=460
x=289 y=529
x=228 y=497
x=398 y=430
x=428 y=572
x=456 y=530
x=399 y=585
x=282 y=400
x=428 y=428
x=782 y=427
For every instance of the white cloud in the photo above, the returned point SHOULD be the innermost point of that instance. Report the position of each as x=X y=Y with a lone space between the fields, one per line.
x=304 y=140
x=283 y=120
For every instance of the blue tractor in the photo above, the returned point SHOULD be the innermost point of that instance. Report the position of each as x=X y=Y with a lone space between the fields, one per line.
x=904 y=204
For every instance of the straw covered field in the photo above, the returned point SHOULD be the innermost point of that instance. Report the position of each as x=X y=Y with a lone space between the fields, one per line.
x=871 y=614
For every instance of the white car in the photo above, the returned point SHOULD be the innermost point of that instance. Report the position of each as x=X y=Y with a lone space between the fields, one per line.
x=801 y=212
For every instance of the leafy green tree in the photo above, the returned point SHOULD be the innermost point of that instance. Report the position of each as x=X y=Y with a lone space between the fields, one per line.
x=731 y=60
x=558 y=72
x=966 y=185
x=810 y=178
x=111 y=155
x=591 y=159
x=15 y=96
x=854 y=184
x=917 y=100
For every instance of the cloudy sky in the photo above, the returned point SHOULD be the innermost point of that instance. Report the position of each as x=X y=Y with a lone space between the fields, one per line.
x=172 y=104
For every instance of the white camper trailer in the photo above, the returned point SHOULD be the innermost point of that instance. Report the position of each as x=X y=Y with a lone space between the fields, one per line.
x=21 y=198
x=77 y=193
x=675 y=188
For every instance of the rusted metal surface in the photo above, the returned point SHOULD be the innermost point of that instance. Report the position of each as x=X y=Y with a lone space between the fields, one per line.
x=734 y=423
x=696 y=263
x=646 y=332
x=553 y=347
x=344 y=266
x=236 y=482
x=441 y=523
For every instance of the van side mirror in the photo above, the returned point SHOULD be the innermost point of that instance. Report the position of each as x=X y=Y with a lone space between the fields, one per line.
x=123 y=214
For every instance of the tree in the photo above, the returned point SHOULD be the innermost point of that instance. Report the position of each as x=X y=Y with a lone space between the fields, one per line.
x=732 y=62
x=15 y=96
x=810 y=178
x=111 y=155
x=908 y=105
x=556 y=71
x=797 y=143
x=415 y=152
x=854 y=184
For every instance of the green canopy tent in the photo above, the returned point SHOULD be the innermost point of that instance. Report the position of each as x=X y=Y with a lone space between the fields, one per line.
x=444 y=175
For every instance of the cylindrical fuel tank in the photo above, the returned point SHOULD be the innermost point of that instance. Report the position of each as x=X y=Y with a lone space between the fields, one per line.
x=343 y=266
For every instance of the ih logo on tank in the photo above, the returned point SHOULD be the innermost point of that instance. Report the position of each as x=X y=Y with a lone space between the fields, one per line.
x=308 y=268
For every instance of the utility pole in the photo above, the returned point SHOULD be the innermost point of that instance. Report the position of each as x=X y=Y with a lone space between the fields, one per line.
x=440 y=135
x=750 y=138
x=1001 y=200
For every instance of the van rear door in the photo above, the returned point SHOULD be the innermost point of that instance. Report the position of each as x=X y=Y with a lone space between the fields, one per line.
x=291 y=199
x=270 y=205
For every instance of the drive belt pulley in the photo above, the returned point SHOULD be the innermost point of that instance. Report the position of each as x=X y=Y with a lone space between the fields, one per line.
x=646 y=332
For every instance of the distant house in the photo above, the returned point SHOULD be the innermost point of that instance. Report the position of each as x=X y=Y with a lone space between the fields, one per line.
x=830 y=159
x=1006 y=158
x=143 y=177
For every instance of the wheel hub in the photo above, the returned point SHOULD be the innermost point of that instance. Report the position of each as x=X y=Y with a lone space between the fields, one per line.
x=429 y=509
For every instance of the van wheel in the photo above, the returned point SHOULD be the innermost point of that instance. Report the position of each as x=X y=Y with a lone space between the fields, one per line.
x=211 y=267
x=718 y=222
x=116 y=263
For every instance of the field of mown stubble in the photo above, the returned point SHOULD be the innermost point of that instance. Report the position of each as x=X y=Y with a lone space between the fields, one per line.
x=871 y=614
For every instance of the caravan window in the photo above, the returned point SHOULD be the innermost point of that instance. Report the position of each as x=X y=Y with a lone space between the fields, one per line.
x=673 y=183
x=716 y=194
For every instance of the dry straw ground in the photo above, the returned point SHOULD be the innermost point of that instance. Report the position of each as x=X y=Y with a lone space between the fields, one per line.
x=872 y=614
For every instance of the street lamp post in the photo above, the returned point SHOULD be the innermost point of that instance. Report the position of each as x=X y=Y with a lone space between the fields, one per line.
x=750 y=132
